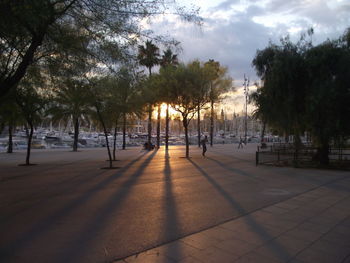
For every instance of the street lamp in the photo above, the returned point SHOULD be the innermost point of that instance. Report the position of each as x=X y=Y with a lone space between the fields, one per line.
x=246 y=92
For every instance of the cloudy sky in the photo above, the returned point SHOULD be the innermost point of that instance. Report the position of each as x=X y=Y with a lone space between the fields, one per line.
x=233 y=30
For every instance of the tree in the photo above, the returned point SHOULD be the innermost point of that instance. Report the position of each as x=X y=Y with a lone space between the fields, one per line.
x=10 y=115
x=305 y=89
x=36 y=29
x=32 y=105
x=169 y=59
x=101 y=101
x=183 y=90
x=328 y=95
x=220 y=83
x=202 y=81
x=148 y=56
x=127 y=95
x=71 y=101
x=285 y=79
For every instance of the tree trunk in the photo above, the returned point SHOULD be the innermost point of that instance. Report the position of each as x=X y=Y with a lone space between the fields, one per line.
x=29 y=143
x=263 y=132
x=211 y=122
x=115 y=139
x=185 y=124
x=124 y=130
x=167 y=127
x=297 y=146
x=10 y=146
x=106 y=136
x=322 y=154
x=158 y=126
x=199 y=126
x=76 y=134
x=149 y=124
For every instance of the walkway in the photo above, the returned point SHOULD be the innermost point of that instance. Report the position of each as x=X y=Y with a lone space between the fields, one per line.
x=161 y=207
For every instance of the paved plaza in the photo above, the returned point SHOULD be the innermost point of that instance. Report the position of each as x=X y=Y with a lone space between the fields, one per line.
x=161 y=207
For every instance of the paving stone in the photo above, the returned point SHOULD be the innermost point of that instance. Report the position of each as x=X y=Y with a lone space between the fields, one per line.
x=214 y=255
x=346 y=221
x=319 y=220
x=176 y=250
x=345 y=230
x=282 y=224
x=306 y=199
x=294 y=202
x=322 y=229
x=337 y=238
x=257 y=237
x=275 y=210
x=305 y=235
x=148 y=258
x=219 y=233
x=347 y=259
x=312 y=256
x=294 y=260
x=332 y=249
x=200 y=241
x=236 y=246
x=287 y=206
x=189 y=259
x=254 y=257
x=295 y=217
x=282 y=248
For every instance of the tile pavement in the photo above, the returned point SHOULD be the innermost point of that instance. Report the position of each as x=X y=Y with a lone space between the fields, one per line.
x=307 y=228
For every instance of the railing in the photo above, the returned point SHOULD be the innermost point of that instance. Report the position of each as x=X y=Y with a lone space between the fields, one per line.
x=285 y=153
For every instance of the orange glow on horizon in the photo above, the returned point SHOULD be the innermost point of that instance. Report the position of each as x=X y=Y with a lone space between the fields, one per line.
x=172 y=113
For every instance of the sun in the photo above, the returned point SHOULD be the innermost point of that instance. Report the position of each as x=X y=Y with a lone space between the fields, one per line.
x=172 y=113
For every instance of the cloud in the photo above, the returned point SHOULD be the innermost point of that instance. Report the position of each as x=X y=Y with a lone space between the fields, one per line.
x=234 y=30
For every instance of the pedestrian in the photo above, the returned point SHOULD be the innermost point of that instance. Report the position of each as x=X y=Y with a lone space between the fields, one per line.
x=204 y=144
x=240 y=145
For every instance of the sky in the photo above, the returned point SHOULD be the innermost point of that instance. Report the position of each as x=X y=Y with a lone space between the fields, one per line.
x=233 y=30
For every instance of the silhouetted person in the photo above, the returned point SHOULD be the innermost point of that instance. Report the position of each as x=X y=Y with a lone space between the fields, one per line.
x=204 y=144
x=240 y=145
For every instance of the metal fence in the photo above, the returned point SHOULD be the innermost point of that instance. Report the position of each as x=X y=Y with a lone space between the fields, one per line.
x=285 y=153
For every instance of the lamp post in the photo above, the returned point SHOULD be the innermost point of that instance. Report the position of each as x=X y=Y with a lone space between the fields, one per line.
x=246 y=92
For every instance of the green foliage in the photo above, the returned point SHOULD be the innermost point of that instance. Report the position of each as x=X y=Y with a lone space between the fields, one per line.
x=100 y=30
x=305 y=88
x=220 y=82
x=70 y=101
x=148 y=55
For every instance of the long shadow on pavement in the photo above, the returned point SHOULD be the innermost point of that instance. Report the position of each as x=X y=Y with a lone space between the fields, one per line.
x=275 y=247
x=84 y=241
x=234 y=170
x=171 y=227
x=40 y=228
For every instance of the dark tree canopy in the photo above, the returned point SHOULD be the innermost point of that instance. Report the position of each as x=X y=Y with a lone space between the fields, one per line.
x=306 y=88
x=34 y=29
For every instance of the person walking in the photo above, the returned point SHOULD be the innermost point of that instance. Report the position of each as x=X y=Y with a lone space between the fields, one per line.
x=240 y=145
x=204 y=144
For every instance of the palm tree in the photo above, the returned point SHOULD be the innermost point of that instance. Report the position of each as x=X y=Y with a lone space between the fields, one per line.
x=71 y=102
x=149 y=57
x=169 y=59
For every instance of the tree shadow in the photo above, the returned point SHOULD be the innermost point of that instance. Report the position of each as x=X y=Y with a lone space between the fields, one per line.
x=233 y=170
x=171 y=224
x=276 y=248
x=72 y=182
x=84 y=241
x=43 y=226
